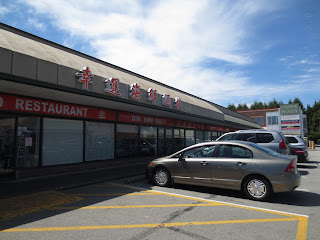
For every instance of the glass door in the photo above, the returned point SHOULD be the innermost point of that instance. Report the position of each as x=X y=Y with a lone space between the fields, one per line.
x=7 y=136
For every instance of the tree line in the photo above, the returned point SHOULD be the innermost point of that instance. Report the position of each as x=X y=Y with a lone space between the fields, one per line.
x=312 y=112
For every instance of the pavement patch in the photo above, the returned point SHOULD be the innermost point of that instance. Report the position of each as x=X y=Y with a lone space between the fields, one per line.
x=22 y=205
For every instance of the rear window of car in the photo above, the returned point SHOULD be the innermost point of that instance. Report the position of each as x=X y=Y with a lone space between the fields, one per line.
x=266 y=150
x=264 y=137
x=249 y=137
x=228 y=137
x=292 y=140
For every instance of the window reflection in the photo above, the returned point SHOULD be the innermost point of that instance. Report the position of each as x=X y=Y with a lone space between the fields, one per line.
x=28 y=142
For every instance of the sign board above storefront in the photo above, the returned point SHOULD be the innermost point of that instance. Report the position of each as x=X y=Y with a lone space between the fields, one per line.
x=29 y=105
x=143 y=119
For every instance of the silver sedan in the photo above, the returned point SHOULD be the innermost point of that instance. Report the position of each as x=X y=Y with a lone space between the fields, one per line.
x=238 y=165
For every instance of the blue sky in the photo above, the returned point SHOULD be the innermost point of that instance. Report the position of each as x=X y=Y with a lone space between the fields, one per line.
x=232 y=51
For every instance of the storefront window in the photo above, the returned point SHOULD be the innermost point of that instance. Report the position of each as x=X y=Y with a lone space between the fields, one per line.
x=214 y=136
x=62 y=141
x=99 y=141
x=148 y=140
x=127 y=140
x=161 y=149
x=199 y=136
x=176 y=140
x=7 y=133
x=169 y=141
x=207 y=136
x=190 y=138
x=182 y=139
x=28 y=142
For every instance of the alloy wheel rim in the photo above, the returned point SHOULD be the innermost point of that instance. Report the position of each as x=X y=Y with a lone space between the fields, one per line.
x=161 y=177
x=256 y=188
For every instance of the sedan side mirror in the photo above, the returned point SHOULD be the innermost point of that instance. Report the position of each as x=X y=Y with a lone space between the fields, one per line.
x=181 y=157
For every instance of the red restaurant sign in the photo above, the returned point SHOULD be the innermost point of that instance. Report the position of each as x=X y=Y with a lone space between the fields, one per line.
x=23 y=104
x=143 y=119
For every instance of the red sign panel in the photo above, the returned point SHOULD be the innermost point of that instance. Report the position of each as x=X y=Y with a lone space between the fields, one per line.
x=217 y=128
x=142 y=119
x=23 y=104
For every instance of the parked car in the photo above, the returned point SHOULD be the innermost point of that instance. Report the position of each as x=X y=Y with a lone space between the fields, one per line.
x=300 y=151
x=298 y=147
x=270 y=139
x=238 y=165
x=295 y=140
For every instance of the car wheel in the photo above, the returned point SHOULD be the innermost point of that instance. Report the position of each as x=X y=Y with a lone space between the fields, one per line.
x=161 y=177
x=257 y=188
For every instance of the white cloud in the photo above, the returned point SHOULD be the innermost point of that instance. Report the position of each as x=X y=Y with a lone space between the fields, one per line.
x=167 y=40
x=36 y=24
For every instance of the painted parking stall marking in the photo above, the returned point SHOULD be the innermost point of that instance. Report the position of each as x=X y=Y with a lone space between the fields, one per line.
x=267 y=215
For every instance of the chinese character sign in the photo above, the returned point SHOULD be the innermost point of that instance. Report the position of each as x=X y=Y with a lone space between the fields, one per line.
x=166 y=100
x=84 y=77
x=177 y=103
x=112 y=86
x=152 y=95
x=135 y=92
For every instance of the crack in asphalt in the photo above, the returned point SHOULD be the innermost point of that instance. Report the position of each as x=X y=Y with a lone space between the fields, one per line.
x=172 y=216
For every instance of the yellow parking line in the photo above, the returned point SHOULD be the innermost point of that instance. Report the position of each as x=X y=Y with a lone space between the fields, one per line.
x=154 y=225
x=302 y=230
x=137 y=206
x=112 y=194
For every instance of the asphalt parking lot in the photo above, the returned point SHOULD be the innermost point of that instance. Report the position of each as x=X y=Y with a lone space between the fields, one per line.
x=135 y=209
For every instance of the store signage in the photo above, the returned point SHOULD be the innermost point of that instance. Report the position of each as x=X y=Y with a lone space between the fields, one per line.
x=166 y=100
x=143 y=119
x=152 y=95
x=112 y=86
x=177 y=103
x=289 y=109
x=29 y=105
x=135 y=92
x=84 y=77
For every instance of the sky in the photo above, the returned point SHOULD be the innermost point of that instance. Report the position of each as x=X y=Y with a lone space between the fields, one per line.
x=227 y=52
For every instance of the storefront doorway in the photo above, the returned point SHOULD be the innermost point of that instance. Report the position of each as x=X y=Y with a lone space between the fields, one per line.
x=7 y=142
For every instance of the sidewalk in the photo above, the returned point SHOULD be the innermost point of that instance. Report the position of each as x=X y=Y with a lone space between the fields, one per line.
x=20 y=187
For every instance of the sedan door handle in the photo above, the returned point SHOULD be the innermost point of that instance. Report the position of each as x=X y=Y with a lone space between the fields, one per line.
x=240 y=163
x=204 y=163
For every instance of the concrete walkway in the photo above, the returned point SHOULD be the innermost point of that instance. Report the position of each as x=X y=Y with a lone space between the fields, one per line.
x=68 y=180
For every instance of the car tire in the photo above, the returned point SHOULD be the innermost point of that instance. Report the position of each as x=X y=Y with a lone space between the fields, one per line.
x=257 y=188
x=161 y=177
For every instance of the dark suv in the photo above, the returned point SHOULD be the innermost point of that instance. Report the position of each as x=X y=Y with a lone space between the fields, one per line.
x=269 y=139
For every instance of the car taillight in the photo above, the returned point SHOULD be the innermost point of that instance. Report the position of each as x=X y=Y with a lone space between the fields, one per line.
x=299 y=151
x=291 y=167
x=282 y=145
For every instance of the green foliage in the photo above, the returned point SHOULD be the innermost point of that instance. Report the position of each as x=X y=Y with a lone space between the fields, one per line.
x=231 y=107
x=313 y=117
x=274 y=104
x=242 y=106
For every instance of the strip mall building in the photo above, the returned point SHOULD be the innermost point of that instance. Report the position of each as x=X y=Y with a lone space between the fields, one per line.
x=61 y=109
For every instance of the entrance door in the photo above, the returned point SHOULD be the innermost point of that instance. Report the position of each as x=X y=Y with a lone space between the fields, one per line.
x=7 y=136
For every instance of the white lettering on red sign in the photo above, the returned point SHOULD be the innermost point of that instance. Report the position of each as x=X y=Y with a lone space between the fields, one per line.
x=148 y=119
x=136 y=118
x=54 y=108
x=160 y=121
